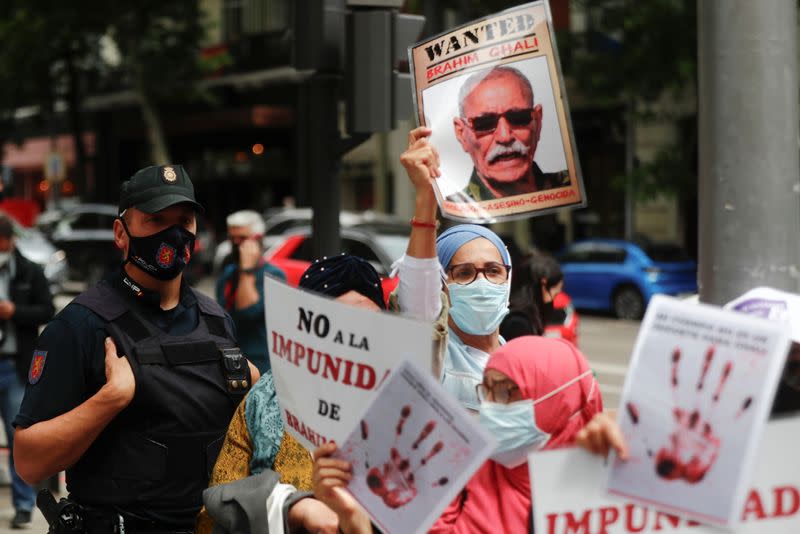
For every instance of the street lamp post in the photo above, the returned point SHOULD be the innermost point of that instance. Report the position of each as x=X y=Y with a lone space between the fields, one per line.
x=749 y=180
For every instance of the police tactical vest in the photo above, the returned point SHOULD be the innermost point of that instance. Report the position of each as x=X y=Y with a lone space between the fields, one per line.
x=160 y=450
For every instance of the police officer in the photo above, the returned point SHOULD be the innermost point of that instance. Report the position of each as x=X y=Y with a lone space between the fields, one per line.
x=133 y=384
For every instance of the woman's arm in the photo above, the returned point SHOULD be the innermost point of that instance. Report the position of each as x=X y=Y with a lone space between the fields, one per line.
x=419 y=270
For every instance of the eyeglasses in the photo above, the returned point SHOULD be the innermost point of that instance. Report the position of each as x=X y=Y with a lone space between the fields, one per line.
x=500 y=392
x=466 y=273
x=487 y=123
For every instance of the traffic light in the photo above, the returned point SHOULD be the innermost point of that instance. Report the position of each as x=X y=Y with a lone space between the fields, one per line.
x=318 y=29
x=377 y=88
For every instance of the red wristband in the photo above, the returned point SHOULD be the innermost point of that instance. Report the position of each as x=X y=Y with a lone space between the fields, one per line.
x=420 y=224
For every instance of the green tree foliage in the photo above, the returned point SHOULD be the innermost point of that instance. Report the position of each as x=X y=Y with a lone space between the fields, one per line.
x=641 y=52
x=52 y=51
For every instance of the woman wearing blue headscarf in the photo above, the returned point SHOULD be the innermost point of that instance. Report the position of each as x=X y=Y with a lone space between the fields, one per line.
x=476 y=267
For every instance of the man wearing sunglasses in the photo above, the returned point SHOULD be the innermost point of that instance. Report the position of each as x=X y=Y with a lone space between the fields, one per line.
x=499 y=127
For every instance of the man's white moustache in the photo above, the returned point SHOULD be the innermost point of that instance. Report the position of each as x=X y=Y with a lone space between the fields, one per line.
x=517 y=147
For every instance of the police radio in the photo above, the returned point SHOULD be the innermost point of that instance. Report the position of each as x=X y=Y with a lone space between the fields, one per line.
x=64 y=516
x=236 y=370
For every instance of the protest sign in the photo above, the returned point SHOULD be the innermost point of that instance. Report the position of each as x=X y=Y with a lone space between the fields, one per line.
x=328 y=358
x=699 y=389
x=412 y=451
x=569 y=498
x=493 y=95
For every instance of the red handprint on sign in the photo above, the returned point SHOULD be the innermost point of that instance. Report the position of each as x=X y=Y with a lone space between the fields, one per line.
x=693 y=446
x=394 y=481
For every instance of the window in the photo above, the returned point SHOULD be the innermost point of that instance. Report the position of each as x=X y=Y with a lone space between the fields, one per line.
x=303 y=252
x=666 y=252
x=248 y=17
x=364 y=251
x=594 y=253
x=607 y=255
x=93 y=221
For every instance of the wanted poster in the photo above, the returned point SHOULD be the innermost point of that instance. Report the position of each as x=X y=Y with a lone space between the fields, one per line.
x=492 y=92
x=698 y=392
x=412 y=451
x=568 y=489
x=328 y=358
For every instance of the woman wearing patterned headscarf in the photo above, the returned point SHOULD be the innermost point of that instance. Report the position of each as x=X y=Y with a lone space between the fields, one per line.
x=477 y=270
x=256 y=440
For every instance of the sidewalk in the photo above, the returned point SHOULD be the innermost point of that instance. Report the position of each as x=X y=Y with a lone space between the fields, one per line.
x=7 y=512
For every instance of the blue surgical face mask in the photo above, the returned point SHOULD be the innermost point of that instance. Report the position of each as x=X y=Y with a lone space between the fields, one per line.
x=478 y=308
x=514 y=427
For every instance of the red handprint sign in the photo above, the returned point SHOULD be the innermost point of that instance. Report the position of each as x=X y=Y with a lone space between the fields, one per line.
x=693 y=446
x=394 y=482
x=695 y=400
x=414 y=448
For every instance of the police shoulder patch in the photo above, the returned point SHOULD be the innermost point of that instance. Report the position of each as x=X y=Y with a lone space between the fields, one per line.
x=37 y=366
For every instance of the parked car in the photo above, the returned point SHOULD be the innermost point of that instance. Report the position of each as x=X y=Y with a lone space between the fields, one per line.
x=621 y=276
x=34 y=245
x=281 y=221
x=293 y=253
x=85 y=233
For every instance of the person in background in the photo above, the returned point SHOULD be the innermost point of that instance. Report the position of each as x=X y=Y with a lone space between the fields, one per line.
x=25 y=304
x=538 y=306
x=240 y=287
x=527 y=404
x=256 y=440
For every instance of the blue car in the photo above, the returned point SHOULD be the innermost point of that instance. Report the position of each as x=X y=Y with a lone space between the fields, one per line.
x=620 y=276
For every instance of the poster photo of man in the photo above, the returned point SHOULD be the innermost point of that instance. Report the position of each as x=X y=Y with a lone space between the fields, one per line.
x=491 y=92
x=499 y=125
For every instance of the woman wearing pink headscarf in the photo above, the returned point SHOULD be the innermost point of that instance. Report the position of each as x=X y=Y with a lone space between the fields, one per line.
x=537 y=393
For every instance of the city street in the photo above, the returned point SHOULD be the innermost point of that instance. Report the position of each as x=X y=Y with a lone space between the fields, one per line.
x=607 y=343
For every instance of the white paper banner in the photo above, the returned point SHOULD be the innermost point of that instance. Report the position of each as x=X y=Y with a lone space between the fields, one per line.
x=698 y=392
x=413 y=450
x=329 y=358
x=569 y=498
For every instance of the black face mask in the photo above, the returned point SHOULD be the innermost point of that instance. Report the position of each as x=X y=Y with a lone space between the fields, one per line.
x=163 y=255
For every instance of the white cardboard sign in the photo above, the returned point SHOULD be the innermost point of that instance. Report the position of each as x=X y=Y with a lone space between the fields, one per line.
x=412 y=451
x=697 y=395
x=328 y=358
x=569 y=495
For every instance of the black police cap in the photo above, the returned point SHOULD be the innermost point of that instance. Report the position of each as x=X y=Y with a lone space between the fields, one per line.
x=155 y=188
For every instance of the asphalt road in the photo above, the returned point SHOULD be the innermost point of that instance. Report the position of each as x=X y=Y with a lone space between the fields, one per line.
x=605 y=341
x=608 y=344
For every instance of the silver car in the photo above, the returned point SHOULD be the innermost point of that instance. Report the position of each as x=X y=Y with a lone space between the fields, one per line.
x=33 y=245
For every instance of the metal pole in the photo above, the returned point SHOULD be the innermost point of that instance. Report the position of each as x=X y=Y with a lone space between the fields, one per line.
x=630 y=148
x=749 y=213
x=319 y=148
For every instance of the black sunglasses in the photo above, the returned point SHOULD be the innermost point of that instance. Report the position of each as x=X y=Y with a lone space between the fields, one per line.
x=487 y=123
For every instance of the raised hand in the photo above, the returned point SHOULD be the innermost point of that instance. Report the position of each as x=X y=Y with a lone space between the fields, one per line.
x=421 y=159
x=249 y=254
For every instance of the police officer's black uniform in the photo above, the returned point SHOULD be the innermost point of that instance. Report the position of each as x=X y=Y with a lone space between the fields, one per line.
x=148 y=467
